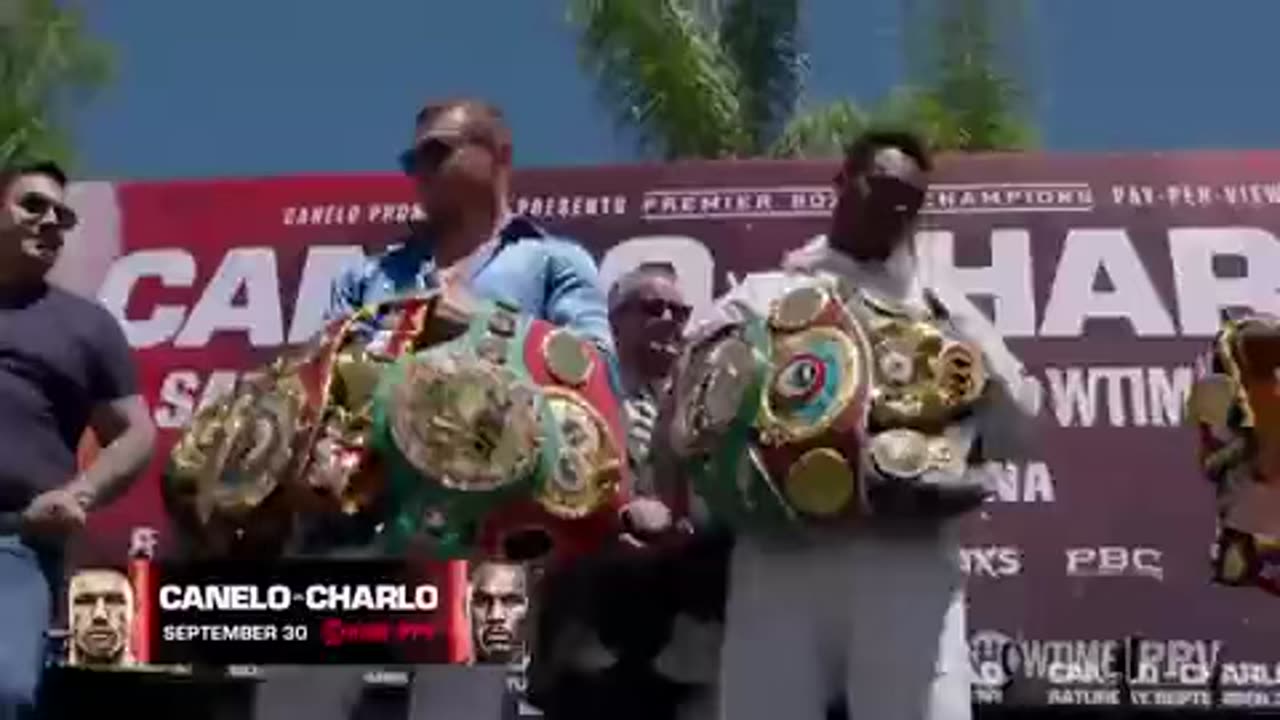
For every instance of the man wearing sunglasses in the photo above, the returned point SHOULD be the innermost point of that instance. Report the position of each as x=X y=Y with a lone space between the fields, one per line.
x=648 y=313
x=65 y=366
x=618 y=637
x=870 y=619
x=460 y=162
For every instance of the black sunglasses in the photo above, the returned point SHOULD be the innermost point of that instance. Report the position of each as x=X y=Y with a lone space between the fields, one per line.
x=657 y=307
x=431 y=153
x=427 y=155
x=900 y=195
x=885 y=191
x=40 y=205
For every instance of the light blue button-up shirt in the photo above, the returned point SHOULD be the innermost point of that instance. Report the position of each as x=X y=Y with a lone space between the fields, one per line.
x=551 y=278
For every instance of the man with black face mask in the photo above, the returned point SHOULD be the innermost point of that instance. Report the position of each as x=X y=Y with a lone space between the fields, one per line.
x=869 y=614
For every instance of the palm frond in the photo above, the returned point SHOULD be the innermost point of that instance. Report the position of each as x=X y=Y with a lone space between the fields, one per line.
x=664 y=72
x=968 y=88
x=762 y=39
x=820 y=132
x=48 y=64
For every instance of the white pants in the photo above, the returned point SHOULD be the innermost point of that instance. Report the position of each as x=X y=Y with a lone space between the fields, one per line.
x=878 y=618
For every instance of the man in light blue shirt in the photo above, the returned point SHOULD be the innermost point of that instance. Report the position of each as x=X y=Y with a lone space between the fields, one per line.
x=461 y=162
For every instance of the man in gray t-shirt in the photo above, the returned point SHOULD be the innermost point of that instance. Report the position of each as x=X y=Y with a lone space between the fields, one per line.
x=65 y=367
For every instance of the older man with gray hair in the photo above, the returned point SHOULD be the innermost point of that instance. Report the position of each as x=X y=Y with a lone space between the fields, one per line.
x=648 y=313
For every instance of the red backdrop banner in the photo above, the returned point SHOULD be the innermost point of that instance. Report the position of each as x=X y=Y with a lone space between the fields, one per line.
x=1105 y=273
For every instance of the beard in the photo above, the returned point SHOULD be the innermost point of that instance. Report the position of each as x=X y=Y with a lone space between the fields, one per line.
x=496 y=646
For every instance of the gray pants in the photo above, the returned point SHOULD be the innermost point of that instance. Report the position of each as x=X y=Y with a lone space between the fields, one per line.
x=878 y=618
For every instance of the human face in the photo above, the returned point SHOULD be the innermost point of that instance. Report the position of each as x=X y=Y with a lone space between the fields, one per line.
x=499 y=605
x=876 y=206
x=459 y=168
x=34 y=220
x=101 y=613
x=648 y=324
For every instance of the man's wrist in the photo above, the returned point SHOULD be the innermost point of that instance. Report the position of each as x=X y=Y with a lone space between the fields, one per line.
x=85 y=493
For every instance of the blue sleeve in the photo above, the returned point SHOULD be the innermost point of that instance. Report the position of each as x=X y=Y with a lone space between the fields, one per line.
x=346 y=295
x=576 y=300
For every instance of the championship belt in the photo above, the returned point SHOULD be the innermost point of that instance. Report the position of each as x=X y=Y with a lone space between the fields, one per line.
x=927 y=378
x=828 y=411
x=293 y=436
x=1247 y=559
x=1235 y=406
x=505 y=441
x=770 y=414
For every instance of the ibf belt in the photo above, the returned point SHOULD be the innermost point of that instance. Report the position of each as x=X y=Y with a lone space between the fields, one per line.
x=291 y=436
x=508 y=435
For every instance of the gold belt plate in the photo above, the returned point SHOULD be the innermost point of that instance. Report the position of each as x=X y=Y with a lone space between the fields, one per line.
x=469 y=425
x=589 y=467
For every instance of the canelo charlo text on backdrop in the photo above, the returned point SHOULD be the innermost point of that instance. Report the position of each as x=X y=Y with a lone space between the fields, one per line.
x=1106 y=273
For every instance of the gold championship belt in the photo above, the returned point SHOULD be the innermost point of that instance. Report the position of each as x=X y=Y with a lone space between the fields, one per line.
x=829 y=410
x=927 y=379
x=1235 y=406
x=294 y=436
x=504 y=442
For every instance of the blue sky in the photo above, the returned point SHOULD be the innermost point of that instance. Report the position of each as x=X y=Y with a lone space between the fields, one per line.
x=268 y=87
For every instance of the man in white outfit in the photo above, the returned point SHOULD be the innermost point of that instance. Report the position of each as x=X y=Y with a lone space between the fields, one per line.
x=872 y=618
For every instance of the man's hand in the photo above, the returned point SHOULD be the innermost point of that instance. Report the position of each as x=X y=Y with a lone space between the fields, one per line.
x=645 y=519
x=54 y=515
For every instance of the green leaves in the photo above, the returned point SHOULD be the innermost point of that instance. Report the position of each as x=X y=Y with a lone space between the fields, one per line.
x=725 y=78
x=762 y=41
x=665 y=74
x=47 y=66
x=967 y=93
x=820 y=132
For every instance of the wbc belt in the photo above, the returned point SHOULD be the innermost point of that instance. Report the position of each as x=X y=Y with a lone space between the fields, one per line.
x=504 y=442
x=1235 y=406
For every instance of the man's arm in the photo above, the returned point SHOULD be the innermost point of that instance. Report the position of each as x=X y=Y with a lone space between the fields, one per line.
x=576 y=300
x=346 y=295
x=120 y=419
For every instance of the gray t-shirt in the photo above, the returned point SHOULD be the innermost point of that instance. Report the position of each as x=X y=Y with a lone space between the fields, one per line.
x=61 y=355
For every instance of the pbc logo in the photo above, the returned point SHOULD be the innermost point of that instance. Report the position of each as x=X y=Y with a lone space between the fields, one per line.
x=992 y=561
x=1115 y=561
